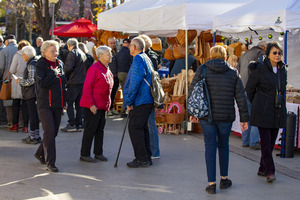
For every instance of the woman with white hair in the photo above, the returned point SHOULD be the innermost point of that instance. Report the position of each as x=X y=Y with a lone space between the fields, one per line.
x=28 y=88
x=51 y=99
x=95 y=101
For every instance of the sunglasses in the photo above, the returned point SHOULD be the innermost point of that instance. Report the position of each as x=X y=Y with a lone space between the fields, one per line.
x=276 y=52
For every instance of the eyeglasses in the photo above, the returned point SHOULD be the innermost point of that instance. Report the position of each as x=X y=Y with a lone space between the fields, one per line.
x=277 y=52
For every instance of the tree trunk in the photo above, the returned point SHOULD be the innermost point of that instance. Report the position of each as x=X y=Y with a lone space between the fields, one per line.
x=81 y=8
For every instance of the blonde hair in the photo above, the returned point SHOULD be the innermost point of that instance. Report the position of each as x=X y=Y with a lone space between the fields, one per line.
x=217 y=52
x=233 y=60
x=47 y=44
x=22 y=44
x=147 y=40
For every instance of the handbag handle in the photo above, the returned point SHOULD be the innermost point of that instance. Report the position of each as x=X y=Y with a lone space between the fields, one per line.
x=6 y=76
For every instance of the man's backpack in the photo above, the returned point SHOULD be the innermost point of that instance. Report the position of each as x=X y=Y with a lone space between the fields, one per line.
x=157 y=91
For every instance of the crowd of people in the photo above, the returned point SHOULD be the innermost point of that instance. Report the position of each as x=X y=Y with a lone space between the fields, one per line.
x=54 y=77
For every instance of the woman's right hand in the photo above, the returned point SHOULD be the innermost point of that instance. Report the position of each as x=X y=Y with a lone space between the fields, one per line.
x=94 y=109
x=194 y=119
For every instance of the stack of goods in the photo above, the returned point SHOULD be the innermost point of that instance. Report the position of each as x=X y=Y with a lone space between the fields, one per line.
x=292 y=94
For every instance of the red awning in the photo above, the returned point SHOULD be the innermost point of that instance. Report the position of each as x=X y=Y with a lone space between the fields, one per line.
x=79 y=28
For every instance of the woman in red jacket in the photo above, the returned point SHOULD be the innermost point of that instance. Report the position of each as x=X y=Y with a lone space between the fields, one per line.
x=95 y=101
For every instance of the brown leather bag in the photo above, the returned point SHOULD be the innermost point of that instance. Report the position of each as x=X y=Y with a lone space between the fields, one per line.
x=178 y=51
x=5 y=93
x=181 y=36
x=169 y=53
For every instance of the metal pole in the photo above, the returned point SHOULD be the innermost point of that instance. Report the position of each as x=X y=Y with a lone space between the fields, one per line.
x=30 y=28
x=16 y=28
x=53 y=8
x=186 y=78
x=285 y=47
x=214 y=38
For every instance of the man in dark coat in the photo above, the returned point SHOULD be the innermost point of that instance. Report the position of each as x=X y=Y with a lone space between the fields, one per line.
x=74 y=70
x=250 y=137
x=124 y=60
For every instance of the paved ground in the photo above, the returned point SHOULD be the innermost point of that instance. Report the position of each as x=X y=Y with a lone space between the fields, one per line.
x=179 y=174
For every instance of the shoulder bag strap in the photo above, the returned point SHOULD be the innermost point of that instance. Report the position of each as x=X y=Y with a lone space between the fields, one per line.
x=203 y=76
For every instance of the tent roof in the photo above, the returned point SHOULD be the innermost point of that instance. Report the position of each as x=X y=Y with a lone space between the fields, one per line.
x=164 y=16
x=280 y=15
x=79 y=28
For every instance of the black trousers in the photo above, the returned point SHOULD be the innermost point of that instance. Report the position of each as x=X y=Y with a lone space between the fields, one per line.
x=33 y=114
x=16 y=110
x=114 y=92
x=267 y=139
x=93 y=129
x=139 y=132
x=50 y=118
x=2 y=110
x=74 y=94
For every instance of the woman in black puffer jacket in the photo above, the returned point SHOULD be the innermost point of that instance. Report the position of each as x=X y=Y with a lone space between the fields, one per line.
x=265 y=89
x=224 y=86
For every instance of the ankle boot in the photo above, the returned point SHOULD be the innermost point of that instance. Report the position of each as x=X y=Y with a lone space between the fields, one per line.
x=14 y=128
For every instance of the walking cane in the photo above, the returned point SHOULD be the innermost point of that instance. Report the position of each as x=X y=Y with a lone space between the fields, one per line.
x=116 y=163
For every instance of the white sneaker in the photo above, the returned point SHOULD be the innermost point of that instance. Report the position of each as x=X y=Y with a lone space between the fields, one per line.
x=155 y=157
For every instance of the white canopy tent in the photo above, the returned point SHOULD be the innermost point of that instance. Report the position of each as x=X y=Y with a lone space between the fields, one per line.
x=267 y=16
x=163 y=17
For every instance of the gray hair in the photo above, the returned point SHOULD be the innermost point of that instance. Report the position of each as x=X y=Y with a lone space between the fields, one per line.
x=47 y=44
x=262 y=44
x=40 y=38
x=147 y=40
x=102 y=50
x=139 y=43
x=29 y=51
x=11 y=41
x=72 y=42
x=83 y=47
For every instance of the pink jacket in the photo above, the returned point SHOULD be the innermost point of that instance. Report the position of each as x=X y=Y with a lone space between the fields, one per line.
x=97 y=87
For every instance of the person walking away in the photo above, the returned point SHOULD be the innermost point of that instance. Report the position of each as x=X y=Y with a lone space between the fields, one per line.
x=250 y=137
x=153 y=132
x=28 y=87
x=139 y=103
x=6 y=57
x=113 y=66
x=51 y=99
x=17 y=68
x=124 y=60
x=74 y=70
x=265 y=89
x=224 y=86
x=96 y=101
x=89 y=59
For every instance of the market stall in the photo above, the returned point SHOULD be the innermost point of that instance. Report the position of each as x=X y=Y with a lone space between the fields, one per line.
x=268 y=20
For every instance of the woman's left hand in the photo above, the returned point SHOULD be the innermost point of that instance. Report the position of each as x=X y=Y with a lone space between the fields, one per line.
x=244 y=126
x=194 y=119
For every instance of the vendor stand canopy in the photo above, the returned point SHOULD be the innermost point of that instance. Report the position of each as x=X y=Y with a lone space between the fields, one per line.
x=163 y=17
x=266 y=17
x=79 y=28
x=279 y=15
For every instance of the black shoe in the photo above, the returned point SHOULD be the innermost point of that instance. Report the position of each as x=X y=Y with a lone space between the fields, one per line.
x=88 y=159
x=52 y=168
x=136 y=164
x=245 y=145
x=211 y=189
x=123 y=115
x=40 y=158
x=225 y=183
x=39 y=140
x=69 y=128
x=260 y=173
x=28 y=140
x=256 y=147
x=101 y=157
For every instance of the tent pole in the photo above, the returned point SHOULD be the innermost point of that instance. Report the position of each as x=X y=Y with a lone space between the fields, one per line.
x=285 y=47
x=186 y=78
x=214 y=39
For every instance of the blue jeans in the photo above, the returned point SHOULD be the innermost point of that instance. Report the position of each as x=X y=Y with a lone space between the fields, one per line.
x=153 y=134
x=216 y=135
x=251 y=135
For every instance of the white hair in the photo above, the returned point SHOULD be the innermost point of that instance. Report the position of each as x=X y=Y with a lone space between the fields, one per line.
x=139 y=43
x=47 y=44
x=40 y=38
x=102 y=50
x=29 y=51
x=147 y=40
x=72 y=42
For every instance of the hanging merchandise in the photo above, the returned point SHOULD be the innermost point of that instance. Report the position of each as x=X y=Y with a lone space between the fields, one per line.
x=246 y=39
x=270 y=36
x=260 y=38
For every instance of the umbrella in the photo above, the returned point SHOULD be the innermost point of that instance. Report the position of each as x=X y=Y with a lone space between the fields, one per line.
x=79 y=28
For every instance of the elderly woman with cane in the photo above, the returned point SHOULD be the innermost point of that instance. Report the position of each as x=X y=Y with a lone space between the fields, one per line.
x=96 y=101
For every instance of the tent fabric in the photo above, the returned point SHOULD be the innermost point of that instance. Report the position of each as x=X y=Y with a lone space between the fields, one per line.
x=79 y=28
x=163 y=17
x=279 y=15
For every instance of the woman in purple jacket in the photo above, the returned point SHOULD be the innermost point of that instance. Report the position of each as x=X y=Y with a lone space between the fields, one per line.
x=95 y=101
